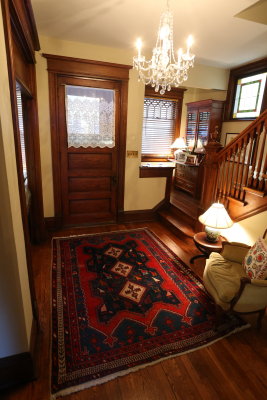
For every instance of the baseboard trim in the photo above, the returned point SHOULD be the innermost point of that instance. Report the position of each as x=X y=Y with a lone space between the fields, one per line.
x=136 y=216
x=141 y=215
x=52 y=224
x=16 y=369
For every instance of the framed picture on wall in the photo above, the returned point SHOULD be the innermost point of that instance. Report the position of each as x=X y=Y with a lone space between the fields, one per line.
x=229 y=137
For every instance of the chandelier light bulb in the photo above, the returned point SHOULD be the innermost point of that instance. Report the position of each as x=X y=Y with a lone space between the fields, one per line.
x=164 y=70
x=138 y=45
x=189 y=42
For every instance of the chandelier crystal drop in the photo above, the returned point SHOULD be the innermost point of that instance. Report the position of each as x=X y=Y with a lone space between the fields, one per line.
x=164 y=70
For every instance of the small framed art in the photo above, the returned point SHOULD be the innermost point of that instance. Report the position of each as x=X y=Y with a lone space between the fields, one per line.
x=229 y=137
x=191 y=159
x=181 y=157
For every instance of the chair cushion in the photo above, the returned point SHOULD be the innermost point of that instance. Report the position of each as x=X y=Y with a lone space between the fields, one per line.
x=255 y=262
x=224 y=275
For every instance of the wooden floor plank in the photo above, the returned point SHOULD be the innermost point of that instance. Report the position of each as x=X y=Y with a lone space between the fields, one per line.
x=233 y=368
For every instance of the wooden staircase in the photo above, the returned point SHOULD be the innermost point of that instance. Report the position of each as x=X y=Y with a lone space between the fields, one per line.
x=181 y=214
x=235 y=176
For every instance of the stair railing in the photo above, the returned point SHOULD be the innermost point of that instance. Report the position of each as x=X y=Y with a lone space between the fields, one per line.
x=239 y=167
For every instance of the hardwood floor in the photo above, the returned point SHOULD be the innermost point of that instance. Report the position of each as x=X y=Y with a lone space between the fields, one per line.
x=233 y=368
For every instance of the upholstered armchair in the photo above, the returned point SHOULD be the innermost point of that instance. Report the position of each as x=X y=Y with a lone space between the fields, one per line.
x=227 y=282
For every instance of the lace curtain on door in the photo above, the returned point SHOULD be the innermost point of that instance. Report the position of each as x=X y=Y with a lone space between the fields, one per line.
x=90 y=114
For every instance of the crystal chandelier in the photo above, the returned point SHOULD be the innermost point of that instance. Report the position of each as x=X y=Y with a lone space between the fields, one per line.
x=164 y=70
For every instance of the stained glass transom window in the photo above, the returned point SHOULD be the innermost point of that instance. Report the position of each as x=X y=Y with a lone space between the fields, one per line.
x=249 y=94
x=90 y=114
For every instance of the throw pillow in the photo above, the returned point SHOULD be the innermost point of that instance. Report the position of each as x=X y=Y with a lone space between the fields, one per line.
x=255 y=262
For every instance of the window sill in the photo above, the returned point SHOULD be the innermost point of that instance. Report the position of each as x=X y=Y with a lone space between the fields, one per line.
x=156 y=169
x=239 y=119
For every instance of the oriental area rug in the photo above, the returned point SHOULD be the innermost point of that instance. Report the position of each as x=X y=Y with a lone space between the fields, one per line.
x=120 y=301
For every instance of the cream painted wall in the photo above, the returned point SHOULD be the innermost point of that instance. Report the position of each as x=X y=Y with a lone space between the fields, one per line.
x=233 y=127
x=248 y=230
x=139 y=193
x=15 y=302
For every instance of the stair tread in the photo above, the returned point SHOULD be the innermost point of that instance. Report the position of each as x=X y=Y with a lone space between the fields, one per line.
x=180 y=225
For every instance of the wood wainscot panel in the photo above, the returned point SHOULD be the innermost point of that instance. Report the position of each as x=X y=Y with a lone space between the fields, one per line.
x=86 y=161
x=90 y=184
x=89 y=206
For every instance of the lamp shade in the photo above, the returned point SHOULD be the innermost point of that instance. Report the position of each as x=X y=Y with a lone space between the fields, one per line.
x=216 y=217
x=179 y=143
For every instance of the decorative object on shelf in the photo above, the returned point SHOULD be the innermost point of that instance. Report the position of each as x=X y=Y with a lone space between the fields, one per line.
x=181 y=157
x=214 y=136
x=164 y=69
x=199 y=147
x=214 y=219
x=179 y=145
x=191 y=159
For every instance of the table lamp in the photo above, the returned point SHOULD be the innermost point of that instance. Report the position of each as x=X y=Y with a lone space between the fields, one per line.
x=214 y=219
x=179 y=144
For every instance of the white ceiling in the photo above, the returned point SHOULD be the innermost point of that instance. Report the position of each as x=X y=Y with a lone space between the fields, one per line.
x=221 y=38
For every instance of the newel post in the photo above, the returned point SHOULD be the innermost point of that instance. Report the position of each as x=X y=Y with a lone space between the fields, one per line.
x=210 y=174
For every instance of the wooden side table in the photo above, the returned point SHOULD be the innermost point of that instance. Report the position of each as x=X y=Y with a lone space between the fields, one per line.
x=206 y=247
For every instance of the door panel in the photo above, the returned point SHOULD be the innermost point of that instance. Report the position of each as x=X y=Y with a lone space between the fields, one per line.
x=89 y=184
x=88 y=174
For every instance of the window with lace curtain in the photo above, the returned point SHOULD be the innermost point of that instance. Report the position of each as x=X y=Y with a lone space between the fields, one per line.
x=90 y=114
x=161 y=123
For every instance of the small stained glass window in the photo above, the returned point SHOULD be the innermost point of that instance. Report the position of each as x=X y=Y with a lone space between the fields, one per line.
x=249 y=95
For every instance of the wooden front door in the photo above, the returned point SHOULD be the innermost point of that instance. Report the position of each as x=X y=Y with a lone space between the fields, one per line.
x=88 y=154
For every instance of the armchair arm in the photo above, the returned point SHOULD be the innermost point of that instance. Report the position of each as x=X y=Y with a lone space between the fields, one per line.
x=243 y=282
x=252 y=295
x=259 y=282
x=234 y=251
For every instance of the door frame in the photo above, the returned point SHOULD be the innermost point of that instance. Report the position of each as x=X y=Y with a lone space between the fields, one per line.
x=22 y=41
x=59 y=66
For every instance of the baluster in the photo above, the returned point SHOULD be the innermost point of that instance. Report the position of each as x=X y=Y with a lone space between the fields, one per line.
x=225 y=182
x=264 y=163
x=237 y=166
x=254 y=172
x=260 y=163
x=220 y=180
x=230 y=181
x=247 y=174
x=243 y=166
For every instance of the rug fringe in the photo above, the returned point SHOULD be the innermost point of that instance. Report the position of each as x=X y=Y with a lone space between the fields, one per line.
x=99 y=233
x=100 y=381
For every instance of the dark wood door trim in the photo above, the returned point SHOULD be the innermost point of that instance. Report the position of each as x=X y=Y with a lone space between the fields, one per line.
x=21 y=43
x=58 y=67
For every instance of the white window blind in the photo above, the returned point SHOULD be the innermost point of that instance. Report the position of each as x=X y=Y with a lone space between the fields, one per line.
x=158 y=126
x=21 y=131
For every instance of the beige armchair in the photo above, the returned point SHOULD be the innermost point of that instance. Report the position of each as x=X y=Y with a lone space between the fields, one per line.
x=232 y=290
